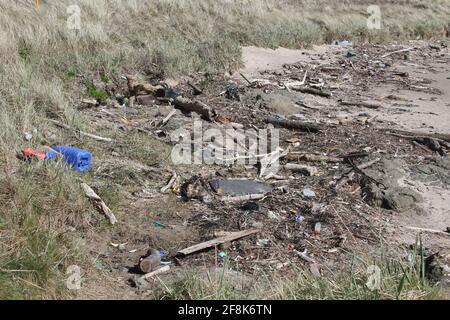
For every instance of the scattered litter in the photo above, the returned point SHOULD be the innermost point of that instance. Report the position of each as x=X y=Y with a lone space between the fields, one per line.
x=307 y=192
x=78 y=159
x=166 y=93
x=299 y=218
x=317 y=228
x=120 y=246
x=150 y=262
x=222 y=254
x=290 y=246
x=250 y=206
x=232 y=92
x=239 y=187
x=263 y=242
x=30 y=154
x=343 y=43
x=274 y=216
x=159 y=224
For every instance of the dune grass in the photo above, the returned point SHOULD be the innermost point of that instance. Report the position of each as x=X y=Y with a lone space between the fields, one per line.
x=398 y=280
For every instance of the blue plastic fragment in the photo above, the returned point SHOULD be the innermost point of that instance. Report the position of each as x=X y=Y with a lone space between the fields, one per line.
x=78 y=159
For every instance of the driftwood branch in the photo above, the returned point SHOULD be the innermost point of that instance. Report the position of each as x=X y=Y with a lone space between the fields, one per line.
x=366 y=104
x=95 y=198
x=397 y=51
x=309 y=157
x=212 y=243
x=427 y=230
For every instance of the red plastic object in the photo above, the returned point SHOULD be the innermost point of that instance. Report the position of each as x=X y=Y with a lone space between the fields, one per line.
x=29 y=152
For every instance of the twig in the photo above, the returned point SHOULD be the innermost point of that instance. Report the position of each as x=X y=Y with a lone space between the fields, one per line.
x=397 y=51
x=427 y=230
x=93 y=136
x=304 y=256
x=197 y=90
x=349 y=176
x=245 y=78
x=309 y=157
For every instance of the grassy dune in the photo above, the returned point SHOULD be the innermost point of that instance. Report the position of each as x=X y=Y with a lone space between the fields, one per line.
x=44 y=65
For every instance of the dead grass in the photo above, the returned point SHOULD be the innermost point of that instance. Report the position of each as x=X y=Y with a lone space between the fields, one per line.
x=44 y=68
x=399 y=280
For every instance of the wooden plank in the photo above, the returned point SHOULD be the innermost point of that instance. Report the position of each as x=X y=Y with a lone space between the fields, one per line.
x=214 y=242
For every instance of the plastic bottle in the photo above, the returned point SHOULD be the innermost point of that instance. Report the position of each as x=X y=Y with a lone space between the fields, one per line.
x=78 y=159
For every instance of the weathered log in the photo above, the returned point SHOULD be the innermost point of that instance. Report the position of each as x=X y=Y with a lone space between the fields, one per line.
x=199 y=107
x=366 y=104
x=296 y=125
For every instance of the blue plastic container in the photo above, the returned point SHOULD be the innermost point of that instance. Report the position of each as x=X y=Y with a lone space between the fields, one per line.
x=78 y=159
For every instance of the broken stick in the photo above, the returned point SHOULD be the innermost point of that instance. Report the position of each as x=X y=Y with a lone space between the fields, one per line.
x=95 y=197
x=427 y=230
x=155 y=273
x=212 y=243
x=93 y=136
